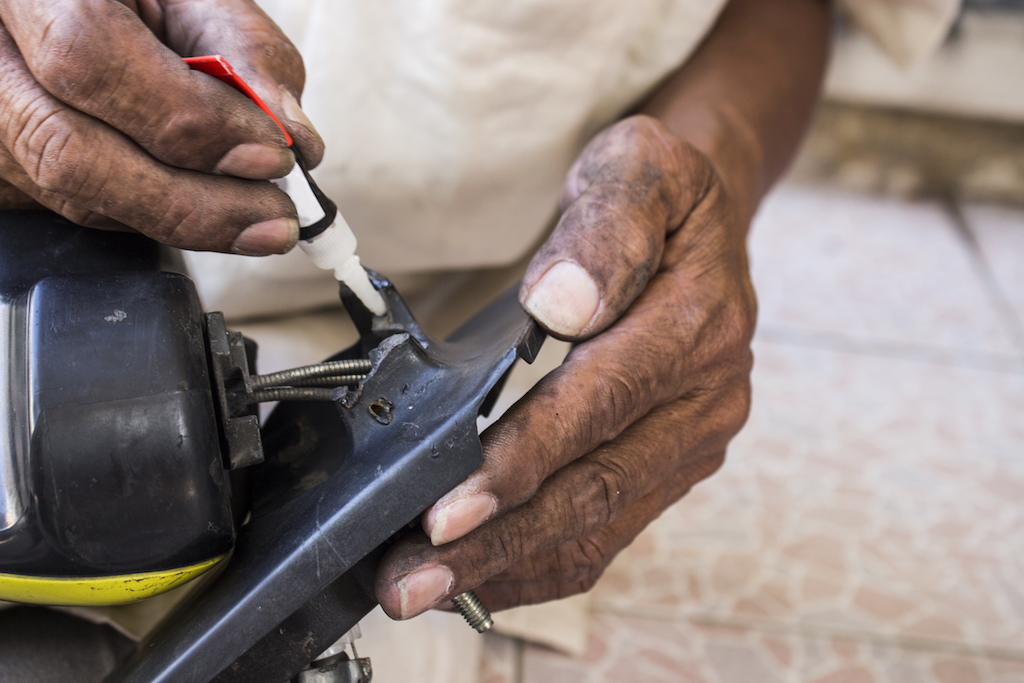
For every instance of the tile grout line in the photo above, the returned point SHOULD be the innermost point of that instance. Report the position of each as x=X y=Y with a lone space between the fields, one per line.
x=518 y=657
x=816 y=631
x=983 y=270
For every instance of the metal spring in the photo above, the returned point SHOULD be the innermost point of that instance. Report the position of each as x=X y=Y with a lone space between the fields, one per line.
x=293 y=394
x=295 y=375
x=332 y=381
x=473 y=611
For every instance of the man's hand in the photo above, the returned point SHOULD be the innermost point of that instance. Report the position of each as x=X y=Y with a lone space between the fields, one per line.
x=647 y=269
x=101 y=120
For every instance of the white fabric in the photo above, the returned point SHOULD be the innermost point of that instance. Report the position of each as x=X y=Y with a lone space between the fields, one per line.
x=906 y=31
x=450 y=124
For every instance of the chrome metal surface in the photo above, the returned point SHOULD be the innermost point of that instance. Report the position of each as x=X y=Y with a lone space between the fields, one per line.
x=14 y=409
x=473 y=611
x=307 y=372
x=337 y=669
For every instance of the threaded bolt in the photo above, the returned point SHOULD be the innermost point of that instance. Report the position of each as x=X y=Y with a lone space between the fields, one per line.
x=474 y=611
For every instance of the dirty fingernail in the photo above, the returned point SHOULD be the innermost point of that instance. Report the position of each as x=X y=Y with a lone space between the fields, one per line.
x=256 y=161
x=460 y=517
x=420 y=590
x=294 y=113
x=564 y=300
x=275 y=236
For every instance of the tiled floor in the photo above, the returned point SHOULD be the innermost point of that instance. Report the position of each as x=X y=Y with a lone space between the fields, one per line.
x=869 y=522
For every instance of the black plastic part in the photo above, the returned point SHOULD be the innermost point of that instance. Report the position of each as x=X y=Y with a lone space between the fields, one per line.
x=366 y=482
x=108 y=408
x=303 y=440
x=311 y=630
x=308 y=232
x=38 y=244
x=232 y=360
x=122 y=428
x=340 y=479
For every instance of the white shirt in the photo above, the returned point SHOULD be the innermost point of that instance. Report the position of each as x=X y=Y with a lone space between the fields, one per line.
x=450 y=124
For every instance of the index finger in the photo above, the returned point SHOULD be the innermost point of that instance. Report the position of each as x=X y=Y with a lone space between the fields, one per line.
x=101 y=59
x=260 y=52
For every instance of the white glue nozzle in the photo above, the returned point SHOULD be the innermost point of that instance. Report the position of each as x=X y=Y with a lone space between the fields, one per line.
x=335 y=249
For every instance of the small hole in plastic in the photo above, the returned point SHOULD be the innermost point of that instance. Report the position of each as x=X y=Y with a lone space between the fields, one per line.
x=381 y=410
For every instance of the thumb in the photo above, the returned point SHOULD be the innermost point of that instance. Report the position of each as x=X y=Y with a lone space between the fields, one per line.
x=257 y=48
x=634 y=184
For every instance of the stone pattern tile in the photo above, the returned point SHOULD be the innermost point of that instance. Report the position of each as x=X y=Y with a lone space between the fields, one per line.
x=829 y=262
x=893 y=507
x=631 y=650
x=1000 y=234
x=436 y=647
x=868 y=525
x=501 y=659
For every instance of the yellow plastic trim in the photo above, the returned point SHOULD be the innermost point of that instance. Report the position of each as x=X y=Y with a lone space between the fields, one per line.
x=97 y=590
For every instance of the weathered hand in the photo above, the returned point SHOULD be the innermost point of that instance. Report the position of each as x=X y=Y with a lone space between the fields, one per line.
x=101 y=120
x=647 y=269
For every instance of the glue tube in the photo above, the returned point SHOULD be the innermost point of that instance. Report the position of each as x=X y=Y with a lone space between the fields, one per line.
x=326 y=237
x=323 y=233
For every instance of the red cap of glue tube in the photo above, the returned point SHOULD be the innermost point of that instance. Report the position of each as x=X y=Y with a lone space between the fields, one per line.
x=221 y=69
x=323 y=233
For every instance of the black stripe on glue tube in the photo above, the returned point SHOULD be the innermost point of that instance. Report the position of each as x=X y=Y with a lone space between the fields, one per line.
x=316 y=212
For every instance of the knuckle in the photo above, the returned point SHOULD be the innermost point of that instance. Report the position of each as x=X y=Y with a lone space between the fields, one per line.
x=66 y=63
x=704 y=468
x=509 y=547
x=715 y=462
x=679 y=158
x=176 y=225
x=740 y=406
x=743 y=313
x=622 y=389
x=625 y=397
x=54 y=158
x=589 y=562
x=730 y=412
x=278 y=49
x=642 y=126
x=738 y=333
x=77 y=214
x=611 y=480
x=163 y=133
x=729 y=331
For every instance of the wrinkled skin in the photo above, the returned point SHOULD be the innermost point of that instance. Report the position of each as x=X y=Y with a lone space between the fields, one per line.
x=642 y=408
x=102 y=122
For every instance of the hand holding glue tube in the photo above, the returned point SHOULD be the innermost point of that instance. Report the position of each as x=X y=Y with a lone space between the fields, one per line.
x=323 y=233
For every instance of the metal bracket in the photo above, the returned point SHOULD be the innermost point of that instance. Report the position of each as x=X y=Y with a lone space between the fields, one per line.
x=337 y=669
x=339 y=480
